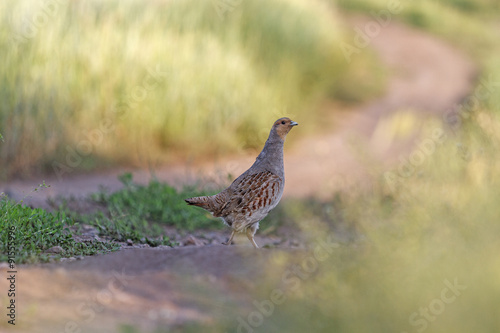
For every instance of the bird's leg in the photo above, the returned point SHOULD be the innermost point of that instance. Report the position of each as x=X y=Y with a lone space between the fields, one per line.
x=230 y=239
x=250 y=232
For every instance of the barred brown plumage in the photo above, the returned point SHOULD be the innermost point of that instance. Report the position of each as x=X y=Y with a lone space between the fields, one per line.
x=256 y=192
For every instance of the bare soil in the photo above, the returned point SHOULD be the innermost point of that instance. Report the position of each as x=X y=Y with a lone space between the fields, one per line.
x=167 y=287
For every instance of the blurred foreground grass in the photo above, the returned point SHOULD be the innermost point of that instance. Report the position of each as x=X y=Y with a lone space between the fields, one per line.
x=93 y=83
x=426 y=256
x=434 y=228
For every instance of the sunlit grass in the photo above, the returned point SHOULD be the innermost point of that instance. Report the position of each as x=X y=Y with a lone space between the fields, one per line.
x=134 y=82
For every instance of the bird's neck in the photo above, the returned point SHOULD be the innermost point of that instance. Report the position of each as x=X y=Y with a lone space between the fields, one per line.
x=271 y=156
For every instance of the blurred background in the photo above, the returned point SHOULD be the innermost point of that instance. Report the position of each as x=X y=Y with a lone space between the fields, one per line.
x=152 y=81
x=93 y=86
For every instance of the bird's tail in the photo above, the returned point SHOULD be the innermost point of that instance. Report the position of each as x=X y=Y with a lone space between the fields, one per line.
x=202 y=202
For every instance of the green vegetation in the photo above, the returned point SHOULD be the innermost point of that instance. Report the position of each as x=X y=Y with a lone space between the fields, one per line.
x=139 y=212
x=26 y=233
x=94 y=83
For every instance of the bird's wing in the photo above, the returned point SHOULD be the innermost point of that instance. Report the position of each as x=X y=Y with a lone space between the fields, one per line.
x=252 y=192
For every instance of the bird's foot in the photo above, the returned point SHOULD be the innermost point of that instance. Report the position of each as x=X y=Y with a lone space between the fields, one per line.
x=230 y=240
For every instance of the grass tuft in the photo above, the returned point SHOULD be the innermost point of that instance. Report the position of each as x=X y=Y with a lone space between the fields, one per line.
x=26 y=234
x=157 y=203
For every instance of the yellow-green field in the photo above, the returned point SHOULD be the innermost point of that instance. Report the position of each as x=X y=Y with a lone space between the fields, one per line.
x=95 y=83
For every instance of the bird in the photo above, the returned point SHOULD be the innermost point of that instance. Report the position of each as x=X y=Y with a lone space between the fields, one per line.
x=252 y=195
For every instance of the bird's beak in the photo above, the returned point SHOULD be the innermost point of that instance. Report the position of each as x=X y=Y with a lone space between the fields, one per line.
x=293 y=123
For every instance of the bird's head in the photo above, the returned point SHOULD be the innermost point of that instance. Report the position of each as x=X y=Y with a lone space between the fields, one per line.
x=283 y=125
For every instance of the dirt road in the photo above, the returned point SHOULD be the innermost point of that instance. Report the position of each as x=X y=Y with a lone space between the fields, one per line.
x=152 y=288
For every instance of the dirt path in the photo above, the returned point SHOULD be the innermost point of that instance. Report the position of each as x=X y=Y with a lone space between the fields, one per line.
x=167 y=287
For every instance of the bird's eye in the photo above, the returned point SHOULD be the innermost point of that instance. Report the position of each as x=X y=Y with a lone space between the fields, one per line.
x=283 y=122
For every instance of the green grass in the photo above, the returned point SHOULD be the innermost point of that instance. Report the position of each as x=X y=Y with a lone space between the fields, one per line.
x=26 y=233
x=140 y=212
x=102 y=83
x=137 y=213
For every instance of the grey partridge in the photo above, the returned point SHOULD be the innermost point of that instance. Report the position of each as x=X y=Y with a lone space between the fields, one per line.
x=256 y=192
